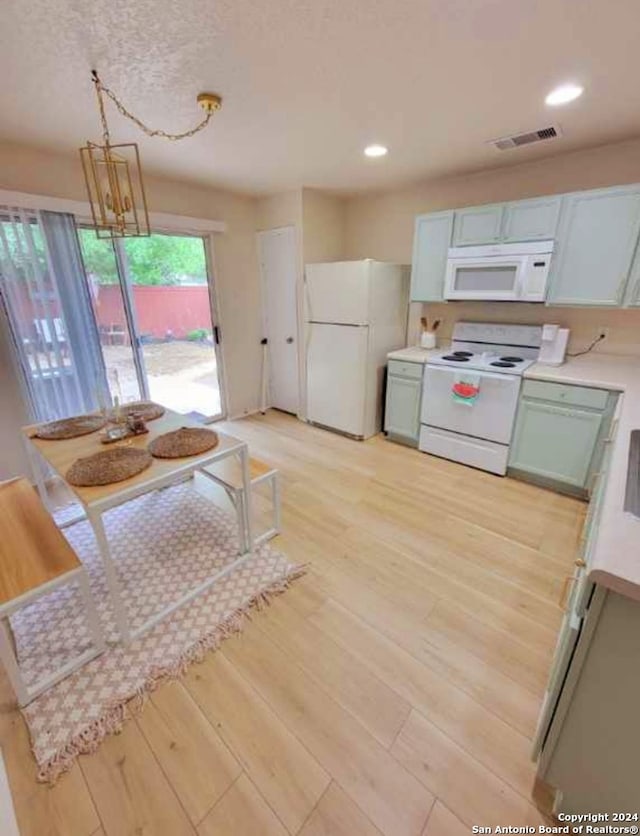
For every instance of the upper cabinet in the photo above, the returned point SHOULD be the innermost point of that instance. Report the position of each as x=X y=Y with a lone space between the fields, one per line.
x=531 y=220
x=596 y=258
x=432 y=239
x=478 y=225
x=506 y=223
x=596 y=243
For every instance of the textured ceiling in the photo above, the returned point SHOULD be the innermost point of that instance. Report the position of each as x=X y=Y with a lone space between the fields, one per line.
x=307 y=84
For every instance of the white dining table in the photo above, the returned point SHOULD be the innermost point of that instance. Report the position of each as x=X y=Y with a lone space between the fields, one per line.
x=95 y=501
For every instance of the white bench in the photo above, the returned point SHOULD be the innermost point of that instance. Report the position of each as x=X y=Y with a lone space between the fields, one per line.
x=35 y=558
x=227 y=474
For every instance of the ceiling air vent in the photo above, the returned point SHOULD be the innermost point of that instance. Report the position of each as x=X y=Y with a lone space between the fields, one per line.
x=515 y=141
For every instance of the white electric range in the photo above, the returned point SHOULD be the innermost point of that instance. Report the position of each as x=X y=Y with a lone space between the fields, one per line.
x=485 y=362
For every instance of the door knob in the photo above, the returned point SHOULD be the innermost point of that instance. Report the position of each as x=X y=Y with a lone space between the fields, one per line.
x=289 y=339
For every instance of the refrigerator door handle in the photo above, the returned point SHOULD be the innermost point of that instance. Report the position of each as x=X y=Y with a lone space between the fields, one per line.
x=307 y=301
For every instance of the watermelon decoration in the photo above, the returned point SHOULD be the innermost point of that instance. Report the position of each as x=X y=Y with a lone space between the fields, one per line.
x=465 y=390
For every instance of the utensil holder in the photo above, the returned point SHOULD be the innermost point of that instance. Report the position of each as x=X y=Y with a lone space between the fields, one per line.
x=428 y=339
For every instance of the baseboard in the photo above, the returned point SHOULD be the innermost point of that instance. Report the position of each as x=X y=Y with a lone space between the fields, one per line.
x=240 y=415
x=8 y=823
x=549 y=484
x=258 y=411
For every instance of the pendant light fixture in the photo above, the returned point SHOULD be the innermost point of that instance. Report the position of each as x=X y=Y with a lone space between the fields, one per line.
x=113 y=174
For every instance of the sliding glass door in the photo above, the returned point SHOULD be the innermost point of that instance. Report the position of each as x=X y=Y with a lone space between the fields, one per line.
x=154 y=312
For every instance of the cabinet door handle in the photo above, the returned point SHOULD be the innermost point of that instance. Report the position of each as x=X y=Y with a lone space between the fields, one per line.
x=612 y=432
x=564 y=595
x=583 y=533
x=568 y=584
x=594 y=481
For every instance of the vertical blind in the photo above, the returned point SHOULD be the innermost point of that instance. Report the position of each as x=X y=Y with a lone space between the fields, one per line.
x=47 y=302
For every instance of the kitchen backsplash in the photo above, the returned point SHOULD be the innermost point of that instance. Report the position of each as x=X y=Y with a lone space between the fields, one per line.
x=623 y=325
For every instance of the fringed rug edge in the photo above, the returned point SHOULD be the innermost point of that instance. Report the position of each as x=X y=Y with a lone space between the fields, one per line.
x=112 y=720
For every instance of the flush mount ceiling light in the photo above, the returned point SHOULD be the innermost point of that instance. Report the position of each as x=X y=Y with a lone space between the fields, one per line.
x=113 y=175
x=375 y=151
x=564 y=94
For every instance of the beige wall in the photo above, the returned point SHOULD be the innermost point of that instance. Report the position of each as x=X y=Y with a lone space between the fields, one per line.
x=318 y=218
x=381 y=226
x=237 y=281
x=323 y=226
x=283 y=209
x=623 y=326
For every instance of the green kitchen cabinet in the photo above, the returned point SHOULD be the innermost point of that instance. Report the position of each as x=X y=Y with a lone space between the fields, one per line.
x=531 y=220
x=555 y=442
x=559 y=435
x=431 y=242
x=596 y=242
x=478 y=225
x=402 y=408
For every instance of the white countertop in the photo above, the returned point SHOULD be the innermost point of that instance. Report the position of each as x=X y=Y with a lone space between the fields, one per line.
x=615 y=562
x=413 y=354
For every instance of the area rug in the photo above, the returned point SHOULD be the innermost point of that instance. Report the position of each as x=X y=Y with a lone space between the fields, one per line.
x=165 y=544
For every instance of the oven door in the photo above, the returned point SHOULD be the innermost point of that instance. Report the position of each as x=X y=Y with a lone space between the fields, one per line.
x=490 y=417
x=497 y=278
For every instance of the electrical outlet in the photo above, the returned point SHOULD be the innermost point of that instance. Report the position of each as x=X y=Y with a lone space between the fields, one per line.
x=603 y=332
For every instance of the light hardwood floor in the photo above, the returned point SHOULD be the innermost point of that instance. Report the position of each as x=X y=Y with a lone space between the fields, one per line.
x=392 y=690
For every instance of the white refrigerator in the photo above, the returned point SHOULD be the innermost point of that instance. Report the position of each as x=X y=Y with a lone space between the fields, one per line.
x=355 y=314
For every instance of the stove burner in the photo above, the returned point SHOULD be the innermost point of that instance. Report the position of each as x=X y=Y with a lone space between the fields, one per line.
x=512 y=359
x=502 y=364
x=462 y=353
x=457 y=358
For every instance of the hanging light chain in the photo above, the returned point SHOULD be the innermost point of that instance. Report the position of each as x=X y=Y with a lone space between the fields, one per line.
x=100 y=88
x=103 y=116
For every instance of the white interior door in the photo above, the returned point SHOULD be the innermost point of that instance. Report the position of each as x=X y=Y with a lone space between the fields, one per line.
x=278 y=267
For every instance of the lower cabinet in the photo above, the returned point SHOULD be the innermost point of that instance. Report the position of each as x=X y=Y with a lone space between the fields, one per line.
x=559 y=435
x=402 y=409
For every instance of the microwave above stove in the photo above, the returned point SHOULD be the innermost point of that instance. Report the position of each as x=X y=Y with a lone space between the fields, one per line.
x=499 y=272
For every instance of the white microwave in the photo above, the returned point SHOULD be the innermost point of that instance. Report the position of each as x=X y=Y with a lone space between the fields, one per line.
x=499 y=272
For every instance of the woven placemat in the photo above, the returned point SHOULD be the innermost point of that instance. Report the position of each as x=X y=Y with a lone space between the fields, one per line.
x=70 y=427
x=187 y=441
x=108 y=466
x=147 y=409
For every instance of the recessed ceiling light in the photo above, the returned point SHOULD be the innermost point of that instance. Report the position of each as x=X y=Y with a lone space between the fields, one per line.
x=564 y=94
x=375 y=151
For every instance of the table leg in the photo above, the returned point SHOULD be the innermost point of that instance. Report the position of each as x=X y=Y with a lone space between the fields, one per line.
x=9 y=634
x=276 y=497
x=8 y=657
x=242 y=523
x=92 y=613
x=35 y=463
x=246 y=505
x=122 y=622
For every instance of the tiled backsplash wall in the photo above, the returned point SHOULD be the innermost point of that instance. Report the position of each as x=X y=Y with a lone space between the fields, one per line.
x=623 y=325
